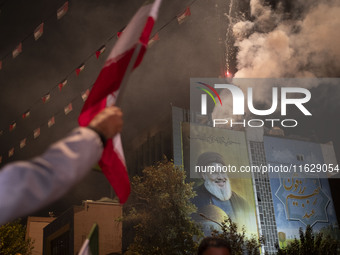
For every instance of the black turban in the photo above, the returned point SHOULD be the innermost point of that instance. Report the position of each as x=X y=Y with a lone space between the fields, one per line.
x=207 y=158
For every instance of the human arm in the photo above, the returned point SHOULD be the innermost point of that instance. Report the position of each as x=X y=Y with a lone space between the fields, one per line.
x=27 y=186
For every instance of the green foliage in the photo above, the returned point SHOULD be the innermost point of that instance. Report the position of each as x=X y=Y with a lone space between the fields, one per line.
x=310 y=244
x=12 y=239
x=161 y=209
x=238 y=241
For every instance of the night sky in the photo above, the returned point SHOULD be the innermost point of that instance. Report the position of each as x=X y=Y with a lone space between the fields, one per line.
x=184 y=51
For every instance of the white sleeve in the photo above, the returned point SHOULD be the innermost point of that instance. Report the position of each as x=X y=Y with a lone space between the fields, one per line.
x=26 y=186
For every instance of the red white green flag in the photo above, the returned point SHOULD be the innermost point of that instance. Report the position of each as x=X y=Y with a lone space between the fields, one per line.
x=80 y=68
x=46 y=98
x=183 y=16
x=36 y=133
x=12 y=126
x=26 y=114
x=126 y=55
x=51 y=122
x=23 y=143
x=17 y=50
x=100 y=51
x=62 y=84
x=68 y=108
x=11 y=152
x=91 y=244
x=62 y=10
x=38 y=32
x=85 y=94
x=153 y=40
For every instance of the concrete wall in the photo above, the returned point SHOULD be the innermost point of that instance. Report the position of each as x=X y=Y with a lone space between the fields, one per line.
x=35 y=226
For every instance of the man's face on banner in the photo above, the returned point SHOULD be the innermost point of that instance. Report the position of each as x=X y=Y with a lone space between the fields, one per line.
x=217 y=183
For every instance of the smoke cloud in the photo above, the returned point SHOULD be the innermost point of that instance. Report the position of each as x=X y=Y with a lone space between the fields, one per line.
x=277 y=44
x=282 y=47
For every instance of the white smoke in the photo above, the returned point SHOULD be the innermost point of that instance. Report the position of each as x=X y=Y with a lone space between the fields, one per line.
x=279 y=45
x=242 y=29
x=293 y=48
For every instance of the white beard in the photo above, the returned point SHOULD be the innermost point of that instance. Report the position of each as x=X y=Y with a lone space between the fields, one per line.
x=222 y=193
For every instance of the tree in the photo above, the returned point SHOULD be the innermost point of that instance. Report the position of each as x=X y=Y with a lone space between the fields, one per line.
x=238 y=241
x=12 y=239
x=310 y=244
x=161 y=209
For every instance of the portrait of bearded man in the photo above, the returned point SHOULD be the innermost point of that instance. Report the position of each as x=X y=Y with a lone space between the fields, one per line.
x=216 y=192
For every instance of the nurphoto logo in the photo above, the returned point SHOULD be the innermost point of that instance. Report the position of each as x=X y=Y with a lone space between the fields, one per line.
x=295 y=96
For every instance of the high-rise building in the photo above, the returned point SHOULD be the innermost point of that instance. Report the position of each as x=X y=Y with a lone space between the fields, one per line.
x=278 y=203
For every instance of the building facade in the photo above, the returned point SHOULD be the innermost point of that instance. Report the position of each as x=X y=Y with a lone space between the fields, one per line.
x=67 y=233
x=34 y=231
x=278 y=207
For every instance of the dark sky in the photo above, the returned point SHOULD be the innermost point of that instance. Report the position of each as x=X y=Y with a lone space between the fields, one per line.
x=65 y=44
x=183 y=51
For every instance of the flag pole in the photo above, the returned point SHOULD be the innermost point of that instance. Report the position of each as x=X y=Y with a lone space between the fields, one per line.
x=127 y=74
x=109 y=89
x=123 y=85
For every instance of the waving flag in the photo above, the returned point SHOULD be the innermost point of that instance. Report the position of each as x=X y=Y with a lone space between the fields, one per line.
x=100 y=51
x=23 y=143
x=11 y=152
x=62 y=10
x=153 y=40
x=62 y=84
x=126 y=55
x=85 y=94
x=12 y=126
x=79 y=69
x=46 y=97
x=17 y=50
x=91 y=244
x=51 y=122
x=36 y=133
x=183 y=16
x=68 y=108
x=38 y=32
x=26 y=114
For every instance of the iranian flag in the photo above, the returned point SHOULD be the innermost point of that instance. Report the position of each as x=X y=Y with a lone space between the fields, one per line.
x=124 y=57
x=91 y=244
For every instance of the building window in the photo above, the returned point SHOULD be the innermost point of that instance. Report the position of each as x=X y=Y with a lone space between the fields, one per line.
x=61 y=244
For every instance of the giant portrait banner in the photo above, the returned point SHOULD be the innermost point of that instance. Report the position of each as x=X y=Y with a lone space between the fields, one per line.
x=219 y=194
